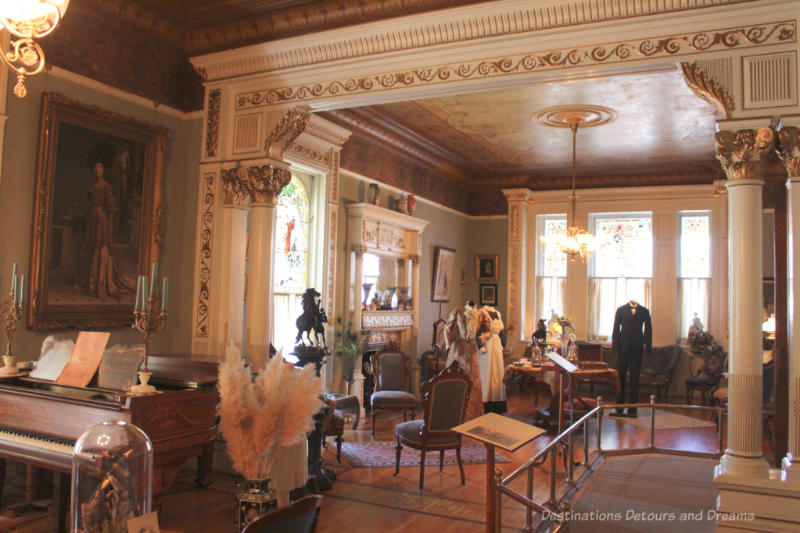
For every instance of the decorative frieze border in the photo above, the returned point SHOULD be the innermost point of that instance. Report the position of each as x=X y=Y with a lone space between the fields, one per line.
x=204 y=262
x=430 y=29
x=621 y=51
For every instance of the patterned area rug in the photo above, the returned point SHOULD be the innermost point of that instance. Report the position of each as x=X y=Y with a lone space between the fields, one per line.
x=382 y=453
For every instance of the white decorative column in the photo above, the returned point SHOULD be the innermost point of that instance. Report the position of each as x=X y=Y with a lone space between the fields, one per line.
x=265 y=183
x=227 y=316
x=790 y=153
x=742 y=154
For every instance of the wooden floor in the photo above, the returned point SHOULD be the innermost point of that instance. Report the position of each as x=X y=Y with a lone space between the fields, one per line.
x=373 y=500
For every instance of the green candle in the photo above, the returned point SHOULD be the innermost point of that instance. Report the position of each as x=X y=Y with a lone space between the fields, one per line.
x=22 y=290
x=164 y=288
x=138 y=306
x=153 y=277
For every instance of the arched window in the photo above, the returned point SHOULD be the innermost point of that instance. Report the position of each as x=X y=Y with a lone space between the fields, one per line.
x=290 y=261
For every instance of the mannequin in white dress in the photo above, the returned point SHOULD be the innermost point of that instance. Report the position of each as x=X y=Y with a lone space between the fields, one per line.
x=490 y=357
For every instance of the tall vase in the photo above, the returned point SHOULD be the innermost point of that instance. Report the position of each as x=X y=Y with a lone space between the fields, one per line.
x=412 y=204
x=255 y=500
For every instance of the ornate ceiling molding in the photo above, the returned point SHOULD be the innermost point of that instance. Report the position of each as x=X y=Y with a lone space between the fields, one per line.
x=620 y=51
x=292 y=124
x=373 y=124
x=327 y=131
x=416 y=31
x=743 y=153
x=707 y=88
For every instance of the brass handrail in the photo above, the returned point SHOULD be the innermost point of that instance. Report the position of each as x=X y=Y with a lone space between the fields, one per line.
x=500 y=483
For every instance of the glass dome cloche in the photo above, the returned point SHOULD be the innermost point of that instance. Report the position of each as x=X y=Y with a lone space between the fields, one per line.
x=112 y=473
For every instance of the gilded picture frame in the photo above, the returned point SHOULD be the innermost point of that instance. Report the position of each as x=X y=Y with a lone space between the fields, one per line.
x=97 y=214
x=443 y=262
x=487 y=293
x=486 y=267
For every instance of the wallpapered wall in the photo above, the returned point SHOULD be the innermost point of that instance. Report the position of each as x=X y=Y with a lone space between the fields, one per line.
x=179 y=178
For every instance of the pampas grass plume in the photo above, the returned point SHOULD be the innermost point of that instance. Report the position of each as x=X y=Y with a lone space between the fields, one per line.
x=259 y=416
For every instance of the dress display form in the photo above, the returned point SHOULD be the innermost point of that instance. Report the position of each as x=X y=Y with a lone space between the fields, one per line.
x=460 y=332
x=632 y=334
x=490 y=357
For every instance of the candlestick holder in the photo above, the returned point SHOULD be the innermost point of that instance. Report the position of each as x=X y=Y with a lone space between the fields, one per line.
x=10 y=315
x=147 y=322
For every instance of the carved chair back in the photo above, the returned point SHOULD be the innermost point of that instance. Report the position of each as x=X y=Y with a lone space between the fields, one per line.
x=389 y=367
x=444 y=402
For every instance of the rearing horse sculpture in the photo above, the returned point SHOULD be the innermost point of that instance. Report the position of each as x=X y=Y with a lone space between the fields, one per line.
x=313 y=318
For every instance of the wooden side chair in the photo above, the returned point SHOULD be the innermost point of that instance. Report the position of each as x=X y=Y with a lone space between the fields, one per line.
x=433 y=360
x=300 y=516
x=390 y=370
x=444 y=402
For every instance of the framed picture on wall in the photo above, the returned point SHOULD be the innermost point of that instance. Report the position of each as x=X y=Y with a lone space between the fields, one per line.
x=97 y=215
x=488 y=294
x=443 y=262
x=486 y=267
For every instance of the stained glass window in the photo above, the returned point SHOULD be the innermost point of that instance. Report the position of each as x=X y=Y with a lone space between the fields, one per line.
x=695 y=246
x=290 y=267
x=554 y=261
x=628 y=252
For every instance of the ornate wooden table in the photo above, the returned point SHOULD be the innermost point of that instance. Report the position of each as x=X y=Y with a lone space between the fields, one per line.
x=348 y=404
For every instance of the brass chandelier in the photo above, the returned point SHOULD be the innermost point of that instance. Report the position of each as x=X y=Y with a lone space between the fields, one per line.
x=575 y=241
x=27 y=20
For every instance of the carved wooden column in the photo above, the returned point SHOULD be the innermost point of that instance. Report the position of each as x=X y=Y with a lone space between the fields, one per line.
x=265 y=182
x=789 y=152
x=227 y=318
x=742 y=154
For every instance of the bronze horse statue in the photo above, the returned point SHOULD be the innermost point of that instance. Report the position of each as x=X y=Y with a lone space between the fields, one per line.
x=313 y=318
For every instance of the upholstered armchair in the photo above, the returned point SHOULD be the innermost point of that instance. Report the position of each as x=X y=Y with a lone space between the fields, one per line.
x=444 y=402
x=390 y=370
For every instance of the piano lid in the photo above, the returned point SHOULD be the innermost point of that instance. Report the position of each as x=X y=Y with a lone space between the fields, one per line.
x=183 y=370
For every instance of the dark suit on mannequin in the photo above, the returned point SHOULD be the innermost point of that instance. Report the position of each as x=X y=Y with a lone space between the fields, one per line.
x=632 y=335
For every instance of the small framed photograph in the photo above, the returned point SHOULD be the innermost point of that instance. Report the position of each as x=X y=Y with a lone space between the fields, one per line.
x=488 y=294
x=486 y=267
x=443 y=261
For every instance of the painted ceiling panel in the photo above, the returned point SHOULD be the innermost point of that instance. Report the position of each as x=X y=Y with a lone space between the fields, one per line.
x=660 y=124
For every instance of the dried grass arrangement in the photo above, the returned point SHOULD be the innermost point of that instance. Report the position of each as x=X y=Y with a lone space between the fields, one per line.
x=259 y=416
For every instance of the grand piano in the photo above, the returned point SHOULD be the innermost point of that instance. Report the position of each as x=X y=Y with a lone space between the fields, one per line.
x=41 y=421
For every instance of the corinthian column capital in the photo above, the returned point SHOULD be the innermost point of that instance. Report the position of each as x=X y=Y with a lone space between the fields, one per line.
x=293 y=123
x=789 y=150
x=265 y=182
x=234 y=185
x=742 y=153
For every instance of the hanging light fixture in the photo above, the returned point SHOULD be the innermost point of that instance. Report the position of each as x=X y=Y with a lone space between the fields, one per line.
x=27 y=20
x=574 y=241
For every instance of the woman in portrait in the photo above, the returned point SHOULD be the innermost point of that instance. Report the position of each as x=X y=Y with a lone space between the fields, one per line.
x=102 y=277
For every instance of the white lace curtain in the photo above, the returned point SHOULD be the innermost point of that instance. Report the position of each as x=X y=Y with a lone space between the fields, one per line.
x=550 y=295
x=693 y=297
x=606 y=294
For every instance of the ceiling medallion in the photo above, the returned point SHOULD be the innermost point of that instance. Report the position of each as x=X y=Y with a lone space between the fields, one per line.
x=564 y=116
x=574 y=241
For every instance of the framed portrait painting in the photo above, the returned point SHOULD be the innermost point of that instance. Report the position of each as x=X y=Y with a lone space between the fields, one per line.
x=97 y=214
x=486 y=267
x=488 y=294
x=443 y=262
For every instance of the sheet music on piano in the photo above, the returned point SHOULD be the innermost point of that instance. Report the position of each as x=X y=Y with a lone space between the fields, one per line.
x=85 y=358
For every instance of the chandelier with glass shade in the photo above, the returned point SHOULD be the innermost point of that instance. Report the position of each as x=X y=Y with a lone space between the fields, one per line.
x=575 y=241
x=25 y=21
